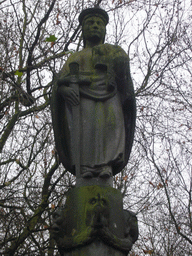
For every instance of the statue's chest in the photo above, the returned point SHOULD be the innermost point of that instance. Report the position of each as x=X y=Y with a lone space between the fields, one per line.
x=88 y=62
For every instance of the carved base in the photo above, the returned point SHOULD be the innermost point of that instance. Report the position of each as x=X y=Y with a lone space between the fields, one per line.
x=93 y=222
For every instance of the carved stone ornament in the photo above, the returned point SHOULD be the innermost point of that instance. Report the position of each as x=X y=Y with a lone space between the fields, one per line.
x=94 y=213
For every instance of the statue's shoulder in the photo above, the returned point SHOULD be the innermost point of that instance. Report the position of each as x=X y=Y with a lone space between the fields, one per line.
x=74 y=57
x=78 y=56
x=113 y=50
x=114 y=47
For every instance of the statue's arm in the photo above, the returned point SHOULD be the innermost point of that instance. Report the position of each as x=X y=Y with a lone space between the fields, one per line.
x=64 y=89
x=68 y=94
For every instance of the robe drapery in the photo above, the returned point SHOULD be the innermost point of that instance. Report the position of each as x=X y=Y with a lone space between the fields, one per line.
x=107 y=109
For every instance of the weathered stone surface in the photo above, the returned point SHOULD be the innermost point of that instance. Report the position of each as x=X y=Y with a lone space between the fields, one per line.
x=94 y=213
x=93 y=112
x=99 y=119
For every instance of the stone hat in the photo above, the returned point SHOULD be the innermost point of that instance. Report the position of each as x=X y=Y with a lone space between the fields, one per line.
x=96 y=11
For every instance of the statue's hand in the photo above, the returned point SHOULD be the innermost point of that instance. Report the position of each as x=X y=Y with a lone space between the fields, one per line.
x=69 y=95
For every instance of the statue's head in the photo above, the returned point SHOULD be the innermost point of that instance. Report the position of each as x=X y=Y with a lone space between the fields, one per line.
x=93 y=22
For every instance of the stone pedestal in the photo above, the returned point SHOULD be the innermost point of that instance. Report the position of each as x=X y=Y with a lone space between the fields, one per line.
x=93 y=222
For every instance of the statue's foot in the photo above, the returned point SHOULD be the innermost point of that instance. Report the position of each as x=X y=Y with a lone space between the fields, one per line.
x=87 y=175
x=103 y=172
x=106 y=174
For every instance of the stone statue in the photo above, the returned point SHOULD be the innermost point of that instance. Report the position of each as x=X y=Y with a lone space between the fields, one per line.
x=93 y=104
x=93 y=112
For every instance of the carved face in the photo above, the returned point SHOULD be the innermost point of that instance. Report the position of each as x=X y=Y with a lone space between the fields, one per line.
x=94 y=30
x=97 y=212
